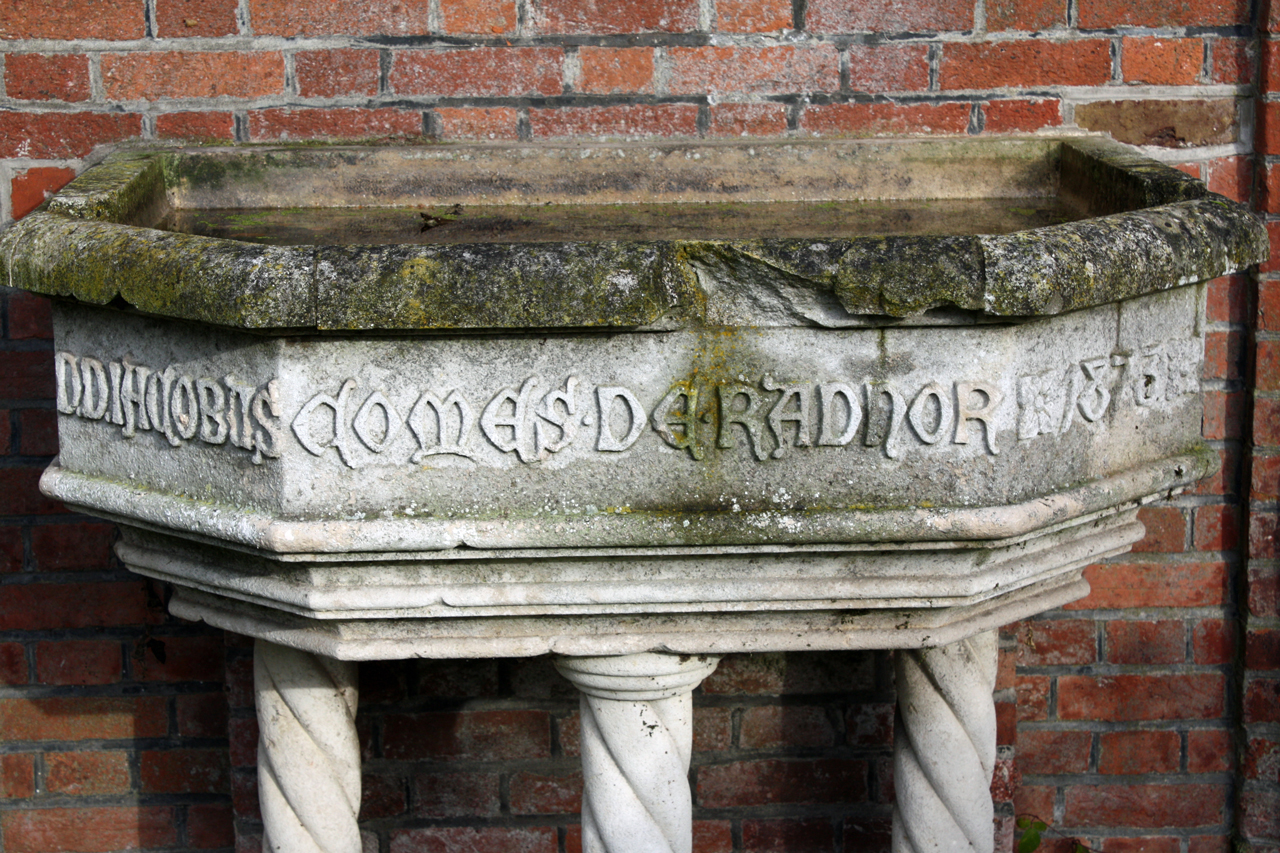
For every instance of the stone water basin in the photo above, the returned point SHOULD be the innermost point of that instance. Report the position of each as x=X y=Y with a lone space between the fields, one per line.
x=694 y=397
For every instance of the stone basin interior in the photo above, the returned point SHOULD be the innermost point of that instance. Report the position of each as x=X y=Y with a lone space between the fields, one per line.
x=624 y=193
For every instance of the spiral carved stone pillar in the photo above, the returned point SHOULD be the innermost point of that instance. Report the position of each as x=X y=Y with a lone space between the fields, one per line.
x=637 y=736
x=945 y=748
x=308 y=753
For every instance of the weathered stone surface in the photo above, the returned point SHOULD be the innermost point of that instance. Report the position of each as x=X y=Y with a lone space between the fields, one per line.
x=1169 y=124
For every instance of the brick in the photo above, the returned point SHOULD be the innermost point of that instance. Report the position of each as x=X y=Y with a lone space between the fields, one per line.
x=788 y=835
x=6 y=437
x=1161 y=61
x=478 y=122
x=542 y=793
x=1163 y=123
x=1223 y=415
x=780 y=726
x=1208 y=751
x=30 y=316
x=1138 y=752
x=1228 y=300
x=1157 y=806
x=615 y=70
x=184 y=771
x=791 y=674
x=1264 y=535
x=239 y=675
x=1097 y=14
x=1216 y=528
x=64 y=830
x=888 y=68
x=30 y=607
x=1166 y=529
x=758 y=783
x=80 y=546
x=621 y=120
x=452 y=839
x=597 y=17
x=1213 y=641
x=196 y=126
x=86 y=773
x=1266 y=422
x=1260 y=814
x=456 y=679
x=1021 y=115
x=244 y=797
x=336 y=123
x=83 y=718
x=1034 y=800
x=1262 y=648
x=748 y=120
x=202 y=715
x=990 y=65
x=47 y=77
x=1142 y=844
x=381 y=796
x=1223 y=355
x=1116 y=585
x=31 y=187
x=1027 y=15
x=1033 y=697
x=1232 y=177
x=11 y=548
x=39 y=432
x=1055 y=642
x=1159 y=642
x=839 y=16
x=469 y=735
x=446 y=795
x=1268 y=364
x=336 y=73
x=881 y=118
x=192 y=74
x=1262 y=759
x=1006 y=723
x=484 y=17
x=752 y=70
x=185 y=659
x=17 y=776
x=1212 y=844
x=78 y=662
x=1269 y=191
x=242 y=734
x=210 y=827
x=753 y=16
x=13 y=663
x=478 y=71
x=1233 y=60
x=20 y=493
x=713 y=836
x=712 y=729
x=28 y=375
x=1264 y=590
x=66 y=19
x=339 y=17
x=195 y=18
x=869 y=724
x=1272 y=263
x=1042 y=752
x=1141 y=697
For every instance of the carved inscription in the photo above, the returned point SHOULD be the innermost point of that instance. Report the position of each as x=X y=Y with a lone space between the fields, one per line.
x=182 y=408
x=1050 y=402
x=539 y=418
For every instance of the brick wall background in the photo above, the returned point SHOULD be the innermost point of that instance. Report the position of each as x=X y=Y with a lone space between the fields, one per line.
x=1147 y=716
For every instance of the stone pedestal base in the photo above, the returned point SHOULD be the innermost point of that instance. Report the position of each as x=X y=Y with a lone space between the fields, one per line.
x=637 y=736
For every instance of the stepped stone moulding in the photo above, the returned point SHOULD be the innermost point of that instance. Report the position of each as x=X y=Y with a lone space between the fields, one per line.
x=636 y=405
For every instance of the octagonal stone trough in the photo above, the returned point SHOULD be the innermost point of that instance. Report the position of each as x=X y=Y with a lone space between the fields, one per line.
x=636 y=405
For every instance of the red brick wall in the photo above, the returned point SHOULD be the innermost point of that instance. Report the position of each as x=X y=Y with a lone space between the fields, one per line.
x=1146 y=715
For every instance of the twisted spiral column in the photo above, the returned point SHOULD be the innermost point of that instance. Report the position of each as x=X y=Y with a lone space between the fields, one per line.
x=944 y=748
x=637 y=736
x=308 y=754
